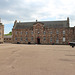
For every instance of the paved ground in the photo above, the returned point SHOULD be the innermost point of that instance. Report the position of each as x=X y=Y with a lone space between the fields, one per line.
x=20 y=59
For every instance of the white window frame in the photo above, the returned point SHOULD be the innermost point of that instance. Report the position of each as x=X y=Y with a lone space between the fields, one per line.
x=21 y=39
x=15 y=38
x=26 y=32
x=44 y=32
x=32 y=32
x=26 y=39
x=50 y=39
x=63 y=31
x=16 y=32
x=57 y=40
x=57 y=32
x=64 y=39
x=32 y=38
x=21 y=32
x=44 y=38
x=50 y=32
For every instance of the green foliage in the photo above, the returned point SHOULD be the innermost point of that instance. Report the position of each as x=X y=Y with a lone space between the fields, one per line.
x=10 y=33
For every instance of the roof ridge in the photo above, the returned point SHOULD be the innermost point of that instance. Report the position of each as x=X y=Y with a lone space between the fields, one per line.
x=44 y=21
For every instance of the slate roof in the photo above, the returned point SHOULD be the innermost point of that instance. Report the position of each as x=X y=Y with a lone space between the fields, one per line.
x=49 y=24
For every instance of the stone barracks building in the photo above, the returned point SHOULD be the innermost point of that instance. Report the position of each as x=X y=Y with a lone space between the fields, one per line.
x=43 y=32
x=1 y=33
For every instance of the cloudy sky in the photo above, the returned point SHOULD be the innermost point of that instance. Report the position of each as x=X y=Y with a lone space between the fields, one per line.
x=30 y=10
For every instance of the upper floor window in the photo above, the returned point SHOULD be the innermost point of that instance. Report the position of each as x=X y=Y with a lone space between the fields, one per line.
x=44 y=32
x=21 y=39
x=21 y=32
x=15 y=38
x=26 y=32
x=38 y=32
x=50 y=32
x=16 y=32
x=32 y=32
x=26 y=39
x=32 y=38
x=57 y=32
x=50 y=39
x=63 y=31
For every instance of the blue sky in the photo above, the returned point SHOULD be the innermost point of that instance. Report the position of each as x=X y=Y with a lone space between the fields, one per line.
x=7 y=28
x=30 y=10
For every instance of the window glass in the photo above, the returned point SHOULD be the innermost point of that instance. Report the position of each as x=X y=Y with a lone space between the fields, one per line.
x=63 y=31
x=44 y=32
x=63 y=39
x=50 y=32
x=21 y=39
x=32 y=32
x=50 y=39
x=26 y=39
x=15 y=38
x=44 y=38
x=57 y=40
x=26 y=32
x=21 y=32
x=57 y=32
x=31 y=38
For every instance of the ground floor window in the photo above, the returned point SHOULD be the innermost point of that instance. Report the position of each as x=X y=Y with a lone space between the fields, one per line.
x=31 y=38
x=15 y=38
x=21 y=39
x=50 y=39
x=26 y=39
x=63 y=39
x=44 y=38
x=57 y=40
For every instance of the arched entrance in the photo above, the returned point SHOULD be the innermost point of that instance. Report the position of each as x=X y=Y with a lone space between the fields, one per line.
x=38 y=40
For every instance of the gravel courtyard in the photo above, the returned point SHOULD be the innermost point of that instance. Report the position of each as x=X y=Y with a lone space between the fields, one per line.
x=21 y=59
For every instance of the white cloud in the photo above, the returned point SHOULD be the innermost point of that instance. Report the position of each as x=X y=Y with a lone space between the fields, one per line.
x=30 y=10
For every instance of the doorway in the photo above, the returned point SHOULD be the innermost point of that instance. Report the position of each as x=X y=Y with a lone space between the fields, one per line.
x=38 y=40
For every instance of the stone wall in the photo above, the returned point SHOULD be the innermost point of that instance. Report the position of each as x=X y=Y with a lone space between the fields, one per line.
x=45 y=35
x=8 y=39
x=1 y=33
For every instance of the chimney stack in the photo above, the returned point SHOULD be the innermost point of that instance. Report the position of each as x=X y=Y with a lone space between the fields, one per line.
x=68 y=21
x=36 y=20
